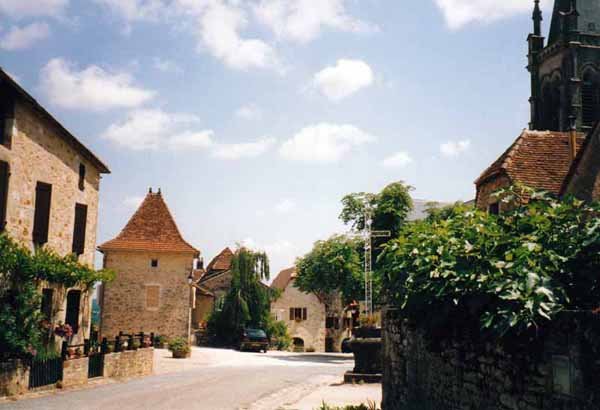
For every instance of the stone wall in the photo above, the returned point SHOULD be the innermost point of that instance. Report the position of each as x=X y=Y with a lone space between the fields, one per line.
x=487 y=188
x=14 y=378
x=312 y=331
x=75 y=372
x=130 y=363
x=125 y=307
x=557 y=373
x=38 y=153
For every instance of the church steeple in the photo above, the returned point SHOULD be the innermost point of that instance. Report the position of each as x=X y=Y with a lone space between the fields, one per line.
x=565 y=72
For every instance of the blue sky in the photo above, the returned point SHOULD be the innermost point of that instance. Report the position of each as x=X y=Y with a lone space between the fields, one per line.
x=255 y=117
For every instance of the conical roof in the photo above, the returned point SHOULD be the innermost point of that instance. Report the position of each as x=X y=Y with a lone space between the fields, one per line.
x=152 y=228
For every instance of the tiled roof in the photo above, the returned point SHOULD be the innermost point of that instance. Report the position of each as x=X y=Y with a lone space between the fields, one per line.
x=284 y=278
x=221 y=262
x=538 y=159
x=152 y=228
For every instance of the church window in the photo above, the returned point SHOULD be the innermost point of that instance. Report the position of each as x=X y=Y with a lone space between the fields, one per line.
x=551 y=106
x=590 y=98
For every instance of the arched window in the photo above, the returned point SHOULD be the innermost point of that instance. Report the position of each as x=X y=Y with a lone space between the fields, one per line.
x=590 y=98
x=551 y=106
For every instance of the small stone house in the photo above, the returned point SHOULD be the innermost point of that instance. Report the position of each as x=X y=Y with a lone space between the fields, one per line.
x=49 y=192
x=314 y=322
x=212 y=286
x=152 y=291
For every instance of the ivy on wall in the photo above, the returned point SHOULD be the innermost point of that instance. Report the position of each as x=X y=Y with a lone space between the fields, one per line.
x=510 y=273
x=21 y=274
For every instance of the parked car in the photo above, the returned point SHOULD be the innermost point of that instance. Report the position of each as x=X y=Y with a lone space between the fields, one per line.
x=254 y=339
x=346 y=348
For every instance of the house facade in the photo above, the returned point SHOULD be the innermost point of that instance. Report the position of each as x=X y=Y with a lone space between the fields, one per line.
x=314 y=322
x=49 y=193
x=152 y=290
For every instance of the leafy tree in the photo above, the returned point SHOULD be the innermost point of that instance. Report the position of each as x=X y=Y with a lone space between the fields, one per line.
x=334 y=265
x=507 y=274
x=247 y=304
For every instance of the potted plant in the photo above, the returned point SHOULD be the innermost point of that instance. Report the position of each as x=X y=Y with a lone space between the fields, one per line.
x=160 y=342
x=180 y=348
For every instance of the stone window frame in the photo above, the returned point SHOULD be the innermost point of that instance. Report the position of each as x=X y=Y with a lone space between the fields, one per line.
x=154 y=263
x=147 y=286
x=298 y=314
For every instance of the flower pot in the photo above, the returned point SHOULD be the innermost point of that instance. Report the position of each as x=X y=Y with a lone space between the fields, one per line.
x=181 y=354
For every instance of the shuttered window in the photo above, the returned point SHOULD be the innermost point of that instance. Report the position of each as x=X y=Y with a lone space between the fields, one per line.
x=47 y=297
x=4 y=176
x=79 y=229
x=73 y=305
x=41 y=222
x=81 y=177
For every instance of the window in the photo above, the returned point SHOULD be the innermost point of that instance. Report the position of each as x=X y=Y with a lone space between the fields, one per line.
x=298 y=314
x=4 y=176
x=494 y=209
x=152 y=297
x=590 y=99
x=41 y=221
x=73 y=305
x=551 y=104
x=47 y=296
x=79 y=229
x=154 y=263
x=81 y=177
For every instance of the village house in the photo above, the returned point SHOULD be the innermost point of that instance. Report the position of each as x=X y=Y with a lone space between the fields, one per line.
x=152 y=290
x=314 y=322
x=49 y=191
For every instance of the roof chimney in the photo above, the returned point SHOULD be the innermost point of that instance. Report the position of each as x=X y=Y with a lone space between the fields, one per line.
x=573 y=138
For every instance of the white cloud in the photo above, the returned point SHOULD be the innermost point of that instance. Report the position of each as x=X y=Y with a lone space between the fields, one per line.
x=20 y=38
x=154 y=129
x=285 y=206
x=249 y=112
x=459 y=13
x=33 y=8
x=344 y=79
x=398 y=160
x=133 y=202
x=282 y=253
x=136 y=10
x=243 y=150
x=92 y=88
x=303 y=20
x=454 y=148
x=167 y=66
x=218 y=27
x=324 y=142
x=192 y=140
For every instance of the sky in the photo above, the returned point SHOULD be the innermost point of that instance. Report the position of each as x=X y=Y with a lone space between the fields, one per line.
x=255 y=117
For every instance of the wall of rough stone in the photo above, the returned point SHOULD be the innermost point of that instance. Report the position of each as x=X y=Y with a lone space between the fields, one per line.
x=14 y=378
x=75 y=372
x=486 y=189
x=124 y=299
x=312 y=331
x=130 y=363
x=462 y=375
x=38 y=153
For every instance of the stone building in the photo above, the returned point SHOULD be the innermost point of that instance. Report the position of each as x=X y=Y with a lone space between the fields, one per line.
x=314 y=322
x=212 y=286
x=154 y=266
x=49 y=191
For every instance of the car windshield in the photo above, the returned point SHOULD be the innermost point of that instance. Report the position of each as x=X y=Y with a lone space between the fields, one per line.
x=256 y=333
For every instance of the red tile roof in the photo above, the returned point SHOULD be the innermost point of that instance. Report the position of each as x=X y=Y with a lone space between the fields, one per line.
x=221 y=262
x=284 y=278
x=537 y=159
x=152 y=228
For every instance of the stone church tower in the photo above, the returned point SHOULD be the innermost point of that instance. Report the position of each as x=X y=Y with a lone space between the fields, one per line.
x=153 y=264
x=565 y=70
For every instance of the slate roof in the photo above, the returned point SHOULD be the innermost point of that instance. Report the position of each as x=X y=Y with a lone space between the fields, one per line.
x=152 y=228
x=65 y=134
x=284 y=278
x=538 y=159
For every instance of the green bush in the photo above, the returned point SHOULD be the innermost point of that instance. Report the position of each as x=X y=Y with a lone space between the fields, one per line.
x=279 y=335
x=509 y=274
x=179 y=345
x=369 y=406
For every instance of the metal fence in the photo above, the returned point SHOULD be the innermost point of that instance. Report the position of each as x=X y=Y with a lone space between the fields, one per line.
x=45 y=372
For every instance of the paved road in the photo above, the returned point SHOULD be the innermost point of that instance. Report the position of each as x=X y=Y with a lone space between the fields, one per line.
x=211 y=380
